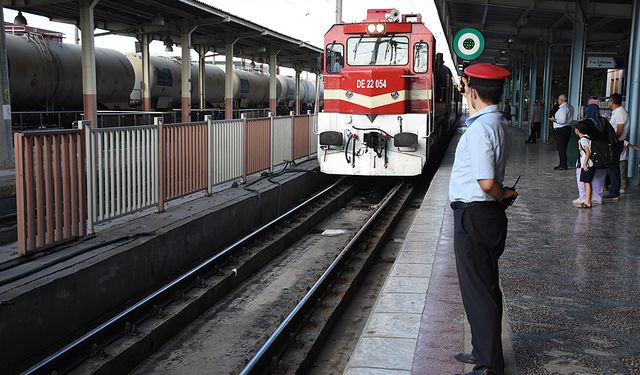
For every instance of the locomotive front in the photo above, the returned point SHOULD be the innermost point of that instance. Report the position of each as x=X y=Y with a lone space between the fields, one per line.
x=378 y=85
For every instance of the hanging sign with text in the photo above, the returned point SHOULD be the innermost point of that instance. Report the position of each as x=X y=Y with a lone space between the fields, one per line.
x=601 y=62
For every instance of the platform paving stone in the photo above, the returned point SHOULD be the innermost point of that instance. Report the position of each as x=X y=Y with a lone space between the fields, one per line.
x=400 y=302
x=407 y=285
x=375 y=371
x=384 y=353
x=395 y=325
x=415 y=257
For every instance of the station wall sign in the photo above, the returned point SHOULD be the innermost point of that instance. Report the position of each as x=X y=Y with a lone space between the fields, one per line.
x=468 y=43
x=604 y=62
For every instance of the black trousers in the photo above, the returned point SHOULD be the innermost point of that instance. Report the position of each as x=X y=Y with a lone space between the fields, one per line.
x=479 y=238
x=535 y=132
x=562 y=141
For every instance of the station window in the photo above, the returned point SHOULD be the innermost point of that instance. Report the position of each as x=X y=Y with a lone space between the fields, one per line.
x=386 y=50
x=420 y=57
x=334 y=58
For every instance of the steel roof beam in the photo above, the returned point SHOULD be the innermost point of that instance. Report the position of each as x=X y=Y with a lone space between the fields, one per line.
x=31 y=3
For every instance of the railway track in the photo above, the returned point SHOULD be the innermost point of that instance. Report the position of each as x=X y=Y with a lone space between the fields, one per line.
x=287 y=334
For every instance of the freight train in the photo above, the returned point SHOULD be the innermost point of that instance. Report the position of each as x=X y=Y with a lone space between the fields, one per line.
x=45 y=75
x=388 y=99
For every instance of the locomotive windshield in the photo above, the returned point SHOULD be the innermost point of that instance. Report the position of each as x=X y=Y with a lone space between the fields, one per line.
x=385 y=50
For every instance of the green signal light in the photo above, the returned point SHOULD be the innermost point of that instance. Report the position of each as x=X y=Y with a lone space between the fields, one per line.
x=468 y=44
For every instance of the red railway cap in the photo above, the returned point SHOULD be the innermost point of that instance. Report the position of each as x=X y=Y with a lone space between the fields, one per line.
x=486 y=74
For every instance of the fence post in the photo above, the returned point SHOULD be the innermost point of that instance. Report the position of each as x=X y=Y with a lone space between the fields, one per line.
x=245 y=146
x=89 y=162
x=293 y=135
x=271 y=141
x=21 y=205
x=209 y=120
x=159 y=122
x=309 y=126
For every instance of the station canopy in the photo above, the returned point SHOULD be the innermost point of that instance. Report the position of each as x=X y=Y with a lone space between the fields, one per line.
x=511 y=26
x=162 y=19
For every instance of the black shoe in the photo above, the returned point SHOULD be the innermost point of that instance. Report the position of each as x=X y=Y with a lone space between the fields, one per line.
x=608 y=196
x=482 y=371
x=466 y=358
x=559 y=168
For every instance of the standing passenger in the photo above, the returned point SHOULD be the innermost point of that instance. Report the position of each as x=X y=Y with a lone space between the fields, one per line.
x=592 y=111
x=620 y=122
x=535 y=122
x=506 y=111
x=562 y=127
x=479 y=199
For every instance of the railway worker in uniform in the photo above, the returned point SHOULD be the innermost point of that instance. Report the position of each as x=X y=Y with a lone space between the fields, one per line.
x=479 y=200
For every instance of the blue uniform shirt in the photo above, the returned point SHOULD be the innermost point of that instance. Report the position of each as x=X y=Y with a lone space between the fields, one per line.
x=481 y=154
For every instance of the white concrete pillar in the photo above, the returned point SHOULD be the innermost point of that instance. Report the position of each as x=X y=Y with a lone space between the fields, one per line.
x=521 y=92
x=6 y=135
x=298 y=71
x=202 y=51
x=546 y=83
x=273 y=92
x=228 y=81
x=186 y=75
x=88 y=62
x=533 y=78
x=146 y=87
x=633 y=90
x=577 y=62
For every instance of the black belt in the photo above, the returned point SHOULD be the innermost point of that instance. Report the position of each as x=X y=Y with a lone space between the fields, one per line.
x=480 y=204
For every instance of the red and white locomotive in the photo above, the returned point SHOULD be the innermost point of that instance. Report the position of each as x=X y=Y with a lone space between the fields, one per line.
x=388 y=99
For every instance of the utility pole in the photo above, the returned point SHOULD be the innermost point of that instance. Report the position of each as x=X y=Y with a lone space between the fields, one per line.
x=338 y=11
x=6 y=133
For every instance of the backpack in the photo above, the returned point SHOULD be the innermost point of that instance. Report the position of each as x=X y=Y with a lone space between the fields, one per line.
x=602 y=143
x=601 y=154
x=603 y=131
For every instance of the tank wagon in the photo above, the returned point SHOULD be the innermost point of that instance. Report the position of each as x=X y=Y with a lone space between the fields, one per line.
x=388 y=99
x=45 y=75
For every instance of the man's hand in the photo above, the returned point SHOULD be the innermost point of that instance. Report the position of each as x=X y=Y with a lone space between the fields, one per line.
x=510 y=195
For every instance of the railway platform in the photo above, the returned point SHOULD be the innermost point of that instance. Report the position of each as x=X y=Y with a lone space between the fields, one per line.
x=569 y=277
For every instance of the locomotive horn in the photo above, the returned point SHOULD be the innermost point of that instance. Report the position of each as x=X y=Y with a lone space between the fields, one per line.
x=394 y=15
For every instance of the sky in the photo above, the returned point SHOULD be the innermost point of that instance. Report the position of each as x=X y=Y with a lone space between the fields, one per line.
x=301 y=19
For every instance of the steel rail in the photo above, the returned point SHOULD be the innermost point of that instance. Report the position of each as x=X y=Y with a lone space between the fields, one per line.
x=263 y=356
x=85 y=340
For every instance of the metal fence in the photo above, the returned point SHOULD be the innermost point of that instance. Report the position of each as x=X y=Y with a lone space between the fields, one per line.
x=226 y=144
x=185 y=158
x=69 y=180
x=50 y=188
x=257 y=148
x=300 y=136
x=282 y=140
x=123 y=171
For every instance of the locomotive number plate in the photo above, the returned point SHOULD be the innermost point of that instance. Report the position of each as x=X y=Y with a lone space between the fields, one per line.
x=371 y=83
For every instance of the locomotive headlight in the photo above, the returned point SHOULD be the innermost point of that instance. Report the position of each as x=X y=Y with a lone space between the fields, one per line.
x=380 y=28
x=371 y=29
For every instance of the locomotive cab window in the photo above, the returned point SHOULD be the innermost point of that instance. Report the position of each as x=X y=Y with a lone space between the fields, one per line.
x=334 y=58
x=420 y=57
x=384 y=50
